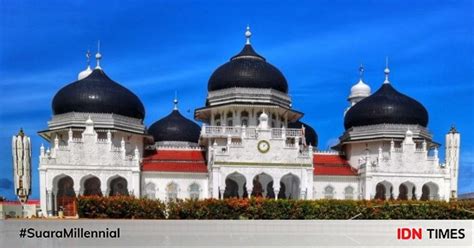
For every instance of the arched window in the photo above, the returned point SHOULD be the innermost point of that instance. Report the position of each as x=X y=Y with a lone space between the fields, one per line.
x=230 y=119
x=118 y=186
x=172 y=192
x=194 y=191
x=258 y=119
x=329 y=192
x=349 y=193
x=150 y=191
x=274 y=118
x=217 y=119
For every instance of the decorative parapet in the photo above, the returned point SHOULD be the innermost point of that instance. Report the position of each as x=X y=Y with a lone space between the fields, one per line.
x=248 y=132
x=265 y=96
x=385 y=130
x=327 y=152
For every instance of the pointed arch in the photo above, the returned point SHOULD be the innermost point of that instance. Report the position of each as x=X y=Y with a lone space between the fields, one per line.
x=329 y=192
x=172 y=191
x=235 y=185
x=289 y=187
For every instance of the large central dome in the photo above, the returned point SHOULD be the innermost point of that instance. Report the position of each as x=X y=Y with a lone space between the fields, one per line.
x=247 y=70
x=97 y=93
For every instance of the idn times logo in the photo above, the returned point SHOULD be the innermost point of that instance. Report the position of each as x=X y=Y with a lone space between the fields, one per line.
x=405 y=233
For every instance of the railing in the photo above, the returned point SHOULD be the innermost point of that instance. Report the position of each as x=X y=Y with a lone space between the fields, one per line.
x=294 y=132
x=249 y=132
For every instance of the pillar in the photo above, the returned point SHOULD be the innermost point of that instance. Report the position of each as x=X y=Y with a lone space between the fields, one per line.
x=396 y=191
x=43 y=193
x=49 y=210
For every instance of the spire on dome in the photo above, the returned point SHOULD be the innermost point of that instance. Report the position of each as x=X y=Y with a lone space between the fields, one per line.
x=386 y=71
x=248 y=34
x=98 y=56
x=361 y=72
x=175 y=101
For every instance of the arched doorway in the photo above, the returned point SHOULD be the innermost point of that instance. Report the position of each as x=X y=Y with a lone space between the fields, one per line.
x=383 y=191
x=289 y=187
x=429 y=191
x=403 y=192
x=118 y=186
x=235 y=186
x=66 y=197
x=263 y=186
x=92 y=187
x=407 y=191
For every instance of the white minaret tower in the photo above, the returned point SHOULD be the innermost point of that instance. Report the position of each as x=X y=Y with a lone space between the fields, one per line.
x=21 y=151
x=453 y=141
x=359 y=91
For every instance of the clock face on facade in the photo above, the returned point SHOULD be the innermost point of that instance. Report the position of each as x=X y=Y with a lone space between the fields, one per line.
x=263 y=146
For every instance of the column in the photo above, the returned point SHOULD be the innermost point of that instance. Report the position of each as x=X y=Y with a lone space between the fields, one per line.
x=215 y=184
x=418 y=191
x=276 y=186
x=396 y=191
x=409 y=193
x=103 y=187
x=310 y=180
x=136 y=183
x=49 y=210
x=222 y=191
x=43 y=194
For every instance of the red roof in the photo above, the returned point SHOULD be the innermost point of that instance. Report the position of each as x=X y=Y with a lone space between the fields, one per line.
x=332 y=165
x=29 y=202
x=176 y=161
x=177 y=155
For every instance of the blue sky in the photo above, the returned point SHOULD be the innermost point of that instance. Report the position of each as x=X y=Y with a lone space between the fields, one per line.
x=157 y=48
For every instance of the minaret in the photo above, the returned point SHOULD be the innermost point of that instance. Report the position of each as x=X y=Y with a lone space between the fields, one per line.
x=359 y=91
x=21 y=151
x=453 y=141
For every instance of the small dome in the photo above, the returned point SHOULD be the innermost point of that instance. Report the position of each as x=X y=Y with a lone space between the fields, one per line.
x=175 y=127
x=310 y=134
x=97 y=93
x=387 y=105
x=247 y=70
x=360 y=90
x=83 y=74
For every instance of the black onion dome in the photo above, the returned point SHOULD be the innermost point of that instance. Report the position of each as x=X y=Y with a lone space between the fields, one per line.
x=389 y=106
x=175 y=127
x=310 y=134
x=248 y=70
x=97 y=93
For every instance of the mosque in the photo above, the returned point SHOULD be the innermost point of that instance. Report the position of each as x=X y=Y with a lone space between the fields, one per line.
x=251 y=142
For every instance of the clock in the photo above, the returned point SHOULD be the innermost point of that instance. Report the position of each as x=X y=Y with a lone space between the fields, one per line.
x=263 y=146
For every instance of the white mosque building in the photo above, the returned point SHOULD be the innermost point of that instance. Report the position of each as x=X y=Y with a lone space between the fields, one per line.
x=251 y=143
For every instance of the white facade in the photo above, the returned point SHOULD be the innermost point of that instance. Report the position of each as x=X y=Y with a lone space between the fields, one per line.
x=86 y=153
x=249 y=151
